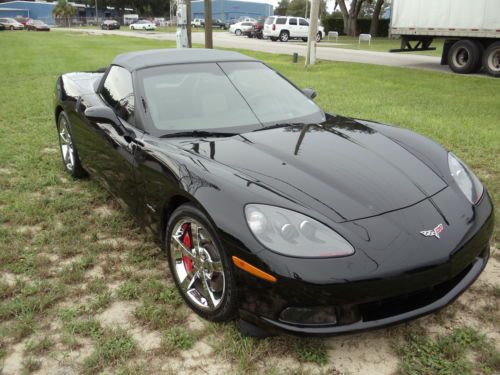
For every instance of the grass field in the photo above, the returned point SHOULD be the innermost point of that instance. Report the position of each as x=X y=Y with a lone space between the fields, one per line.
x=377 y=44
x=83 y=290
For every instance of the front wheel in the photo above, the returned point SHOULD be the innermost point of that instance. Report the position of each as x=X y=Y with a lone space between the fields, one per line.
x=69 y=155
x=199 y=265
x=238 y=32
x=318 y=37
x=491 y=59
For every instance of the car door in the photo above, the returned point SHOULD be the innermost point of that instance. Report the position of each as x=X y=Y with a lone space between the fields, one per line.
x=109 y=151
x=293 y=27
x=304 y=28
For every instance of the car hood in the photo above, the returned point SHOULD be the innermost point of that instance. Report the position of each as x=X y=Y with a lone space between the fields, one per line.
x=341 y=168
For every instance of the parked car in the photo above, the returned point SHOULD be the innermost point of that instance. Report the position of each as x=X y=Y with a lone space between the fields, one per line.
x=11 y=24
x=240 y=27
x=143 y=25
x=333 y=225
x=110 y=25
x=36 y=25
x=228 y=23
x=256 y=30
x=2 y=27
x=218 y=24
x=198 y=22
x=286 y=28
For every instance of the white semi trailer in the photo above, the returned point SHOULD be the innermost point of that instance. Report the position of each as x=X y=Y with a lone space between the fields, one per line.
x=471 y=29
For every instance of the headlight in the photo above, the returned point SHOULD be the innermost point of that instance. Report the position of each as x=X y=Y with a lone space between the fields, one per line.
x=293 y=234
x=465 y=179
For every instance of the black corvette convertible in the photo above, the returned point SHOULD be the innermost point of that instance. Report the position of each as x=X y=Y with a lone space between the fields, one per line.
x=270 y=209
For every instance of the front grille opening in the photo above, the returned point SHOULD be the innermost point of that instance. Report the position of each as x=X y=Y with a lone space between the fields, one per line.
x=404 y=303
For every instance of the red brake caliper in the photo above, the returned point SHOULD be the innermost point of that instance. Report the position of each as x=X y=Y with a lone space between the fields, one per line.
x=188 y=263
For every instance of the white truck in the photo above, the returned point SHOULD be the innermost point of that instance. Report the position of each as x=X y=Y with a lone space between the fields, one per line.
x=471 y=29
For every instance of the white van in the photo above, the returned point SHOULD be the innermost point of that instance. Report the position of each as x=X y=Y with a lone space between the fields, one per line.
x=286 y=28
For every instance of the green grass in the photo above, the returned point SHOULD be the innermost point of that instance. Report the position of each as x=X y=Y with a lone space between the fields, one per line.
x=449 y=354
x=377 y=44
x=51 y=234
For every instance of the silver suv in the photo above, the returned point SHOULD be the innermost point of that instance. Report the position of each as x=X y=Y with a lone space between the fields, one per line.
x=286 y=28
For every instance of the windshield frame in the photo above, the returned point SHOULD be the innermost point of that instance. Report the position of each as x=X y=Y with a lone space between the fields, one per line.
x=148 y=122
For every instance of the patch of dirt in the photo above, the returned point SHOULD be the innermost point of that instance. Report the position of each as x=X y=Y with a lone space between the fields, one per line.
x=5 y=171
x=363 y=354
x=104 y=211
x=28 y=229
x=13 y=362
x=94 y=272
x=119 y=314
x=198 y=359
x=195 y=323
x=146 y=340
x=8 y=278
x=49 y=150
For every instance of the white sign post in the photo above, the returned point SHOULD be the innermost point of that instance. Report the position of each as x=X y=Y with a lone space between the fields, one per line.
x=181 y=34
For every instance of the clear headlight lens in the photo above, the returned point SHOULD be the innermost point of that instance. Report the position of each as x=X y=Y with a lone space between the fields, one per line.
x=465 y=179
x=293 y=234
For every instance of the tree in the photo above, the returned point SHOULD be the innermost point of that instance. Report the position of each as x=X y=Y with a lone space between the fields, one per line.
x=375 y=17
x=64 y=10
x=282 y=8
x=350 y=16
x=297 y=8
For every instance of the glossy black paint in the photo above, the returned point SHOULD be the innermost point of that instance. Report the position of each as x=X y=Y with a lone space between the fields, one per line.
x=376 y=185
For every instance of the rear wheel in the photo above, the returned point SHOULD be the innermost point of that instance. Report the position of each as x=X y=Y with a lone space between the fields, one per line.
x=464 y=56
x=491 y=59
x=284 y=36
x=238 y=32
x=69 y=155
x=319 y=37
x=304 y=39
x=199 y=266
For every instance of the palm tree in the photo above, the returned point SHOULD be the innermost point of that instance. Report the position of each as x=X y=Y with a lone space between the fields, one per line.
x=64 y=10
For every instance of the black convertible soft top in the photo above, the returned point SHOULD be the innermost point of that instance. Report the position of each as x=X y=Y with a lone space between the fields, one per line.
x=157 y=57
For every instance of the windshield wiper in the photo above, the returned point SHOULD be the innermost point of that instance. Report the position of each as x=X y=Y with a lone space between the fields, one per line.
x=274 y=126
x=197 y=133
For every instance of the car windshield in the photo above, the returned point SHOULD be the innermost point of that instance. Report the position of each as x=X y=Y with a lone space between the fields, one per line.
x=240 y=96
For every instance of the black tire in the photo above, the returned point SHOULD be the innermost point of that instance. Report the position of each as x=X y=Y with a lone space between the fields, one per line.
x=226 y=308
x=319 y=36
x=75 y=169
x=304 y=39
x=491 y=59
x=237 y=32
x=464 y=56
x=284 y=36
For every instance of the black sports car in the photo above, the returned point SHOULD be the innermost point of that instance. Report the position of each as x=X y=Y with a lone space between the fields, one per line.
x=270 y=209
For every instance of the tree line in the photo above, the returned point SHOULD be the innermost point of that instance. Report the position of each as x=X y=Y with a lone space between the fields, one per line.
x=349 y=12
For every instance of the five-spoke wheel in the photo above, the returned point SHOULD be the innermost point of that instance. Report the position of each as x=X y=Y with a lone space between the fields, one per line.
x=68 y=152
x=199 y=265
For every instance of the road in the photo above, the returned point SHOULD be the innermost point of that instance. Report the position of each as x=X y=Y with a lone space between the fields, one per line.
x=227 y=40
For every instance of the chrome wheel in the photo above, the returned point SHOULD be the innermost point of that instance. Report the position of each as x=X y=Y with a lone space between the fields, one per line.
x=66 y=143
x=197 y=264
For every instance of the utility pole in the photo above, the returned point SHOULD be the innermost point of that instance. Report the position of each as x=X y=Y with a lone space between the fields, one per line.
x=96 y=14
x=181 y=34
x=313 y=30
x=188 y=11
x=208 y=24
x=305 y=14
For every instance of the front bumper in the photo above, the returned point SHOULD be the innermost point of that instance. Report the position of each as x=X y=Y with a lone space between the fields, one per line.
x=404 y=277
x=447 y=293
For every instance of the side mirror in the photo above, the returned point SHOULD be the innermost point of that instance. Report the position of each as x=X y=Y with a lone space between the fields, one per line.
x=310 y=93
x=106 y=115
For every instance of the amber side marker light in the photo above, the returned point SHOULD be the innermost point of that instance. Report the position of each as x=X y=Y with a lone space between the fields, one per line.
x=253 y=270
